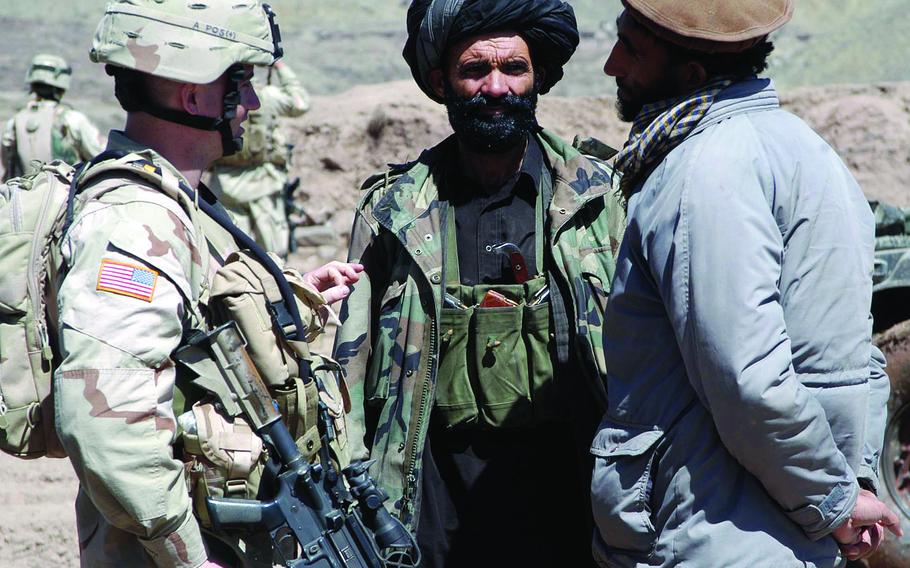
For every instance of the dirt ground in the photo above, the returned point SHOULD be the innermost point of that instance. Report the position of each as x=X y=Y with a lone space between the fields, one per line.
x=349 y=136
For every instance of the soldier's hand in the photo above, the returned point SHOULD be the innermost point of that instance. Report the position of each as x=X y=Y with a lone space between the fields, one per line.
x=863 y=532
x=334 y=279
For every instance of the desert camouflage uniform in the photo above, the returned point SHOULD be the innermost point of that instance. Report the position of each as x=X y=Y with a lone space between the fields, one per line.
x=389 y=339
x=115 y=387
x=46 y=130
x=250 y=183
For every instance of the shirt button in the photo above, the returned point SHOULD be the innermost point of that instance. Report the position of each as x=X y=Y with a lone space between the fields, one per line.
x=428 y=237
x=418 y=252
x=436 y=278
x=489 y=248
x=561 y=211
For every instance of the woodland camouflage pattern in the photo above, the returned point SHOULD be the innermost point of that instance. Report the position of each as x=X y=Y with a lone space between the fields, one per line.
x=388 y=342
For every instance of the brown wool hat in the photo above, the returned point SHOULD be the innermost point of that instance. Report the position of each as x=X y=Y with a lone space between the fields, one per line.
x=711 y=25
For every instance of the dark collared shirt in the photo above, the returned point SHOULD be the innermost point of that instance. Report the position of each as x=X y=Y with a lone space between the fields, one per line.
x=486 y=219
x=514 y=497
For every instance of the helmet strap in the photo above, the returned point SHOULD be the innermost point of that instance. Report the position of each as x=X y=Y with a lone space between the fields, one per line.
x=222 y=124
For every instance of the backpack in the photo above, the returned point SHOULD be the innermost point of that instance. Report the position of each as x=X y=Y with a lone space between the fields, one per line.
x=31 y=219
x=35 y=212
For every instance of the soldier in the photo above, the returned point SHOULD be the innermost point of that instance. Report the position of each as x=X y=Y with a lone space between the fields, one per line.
x=746 y=402
x=47 y=129
x=250 y=183
x=138 y=261
x=474 y=337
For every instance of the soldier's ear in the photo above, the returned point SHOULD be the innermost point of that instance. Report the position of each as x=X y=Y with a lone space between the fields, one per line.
x=189 y=100
x=437 y=82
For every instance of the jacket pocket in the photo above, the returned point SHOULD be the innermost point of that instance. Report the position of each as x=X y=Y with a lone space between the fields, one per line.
x=625 y=458
x=456 y=404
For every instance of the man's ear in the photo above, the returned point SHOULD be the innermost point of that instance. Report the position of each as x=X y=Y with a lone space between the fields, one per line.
x=188 y=98
x=540 y=75
x=437 y=82
x=693 y=75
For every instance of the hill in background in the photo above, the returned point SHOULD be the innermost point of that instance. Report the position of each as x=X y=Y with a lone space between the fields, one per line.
x=340 y=44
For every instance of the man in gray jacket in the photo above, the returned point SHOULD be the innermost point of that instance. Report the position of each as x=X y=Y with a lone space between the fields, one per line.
x=746 y=401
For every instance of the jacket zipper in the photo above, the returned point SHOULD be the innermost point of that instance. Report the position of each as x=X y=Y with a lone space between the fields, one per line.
x=410 y=487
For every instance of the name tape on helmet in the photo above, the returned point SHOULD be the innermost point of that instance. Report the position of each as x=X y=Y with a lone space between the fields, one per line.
x=194 y=25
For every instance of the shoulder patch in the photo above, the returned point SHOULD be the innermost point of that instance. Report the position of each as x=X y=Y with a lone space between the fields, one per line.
x=127 y=280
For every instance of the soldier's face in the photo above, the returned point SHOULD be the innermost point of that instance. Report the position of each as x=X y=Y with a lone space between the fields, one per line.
x=249 y=100
x=642 y=66
x=210 y=99
x=490 y=90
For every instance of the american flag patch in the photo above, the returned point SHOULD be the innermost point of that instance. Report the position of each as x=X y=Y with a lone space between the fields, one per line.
x=127 y=280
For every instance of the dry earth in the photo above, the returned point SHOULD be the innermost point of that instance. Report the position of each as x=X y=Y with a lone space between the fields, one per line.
x=351 y=135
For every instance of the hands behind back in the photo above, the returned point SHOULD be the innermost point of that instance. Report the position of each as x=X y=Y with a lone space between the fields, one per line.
x=863 y=532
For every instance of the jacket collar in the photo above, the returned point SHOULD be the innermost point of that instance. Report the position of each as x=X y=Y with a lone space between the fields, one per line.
x=410 y=208
x=749 y=95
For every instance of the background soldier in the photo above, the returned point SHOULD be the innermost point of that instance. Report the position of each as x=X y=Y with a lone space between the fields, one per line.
x=47 y=129
x=746 y=402
x=138 y=261
x=251 y=183
x=477 y=374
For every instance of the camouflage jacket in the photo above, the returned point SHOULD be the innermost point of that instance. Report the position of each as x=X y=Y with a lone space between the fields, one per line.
x=47 y=130
x=114 y=388
x=388 y=341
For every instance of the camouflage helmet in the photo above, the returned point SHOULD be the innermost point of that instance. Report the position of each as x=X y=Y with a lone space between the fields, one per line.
x=49 y=70
x=184 y=40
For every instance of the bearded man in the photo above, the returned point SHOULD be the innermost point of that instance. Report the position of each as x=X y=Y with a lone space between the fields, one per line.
x=746 y=401
x=476 y=374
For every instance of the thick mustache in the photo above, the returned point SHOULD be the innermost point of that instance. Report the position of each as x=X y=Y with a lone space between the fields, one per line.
x=480 y=101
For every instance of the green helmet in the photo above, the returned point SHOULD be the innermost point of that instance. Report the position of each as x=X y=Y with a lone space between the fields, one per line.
x=190 y=42
x=49 y=70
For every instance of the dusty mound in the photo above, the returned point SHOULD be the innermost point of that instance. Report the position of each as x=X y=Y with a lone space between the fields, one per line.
x=870 y=128
x=349 y=136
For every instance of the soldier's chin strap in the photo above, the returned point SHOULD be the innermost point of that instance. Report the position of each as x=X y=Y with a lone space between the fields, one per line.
x=136 y=99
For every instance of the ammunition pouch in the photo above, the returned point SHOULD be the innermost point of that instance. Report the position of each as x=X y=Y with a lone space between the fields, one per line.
x=222 y=458
x=224 y=455
x=496 y=367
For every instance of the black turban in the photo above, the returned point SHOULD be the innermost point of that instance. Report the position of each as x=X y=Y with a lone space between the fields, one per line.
x=433 y=25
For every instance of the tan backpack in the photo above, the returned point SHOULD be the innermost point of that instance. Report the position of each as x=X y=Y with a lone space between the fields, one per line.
x=33 y=215
x=31 y=219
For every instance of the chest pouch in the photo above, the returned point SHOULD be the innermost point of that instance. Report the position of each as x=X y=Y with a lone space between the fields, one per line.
x=496 y=363
x=222 y=460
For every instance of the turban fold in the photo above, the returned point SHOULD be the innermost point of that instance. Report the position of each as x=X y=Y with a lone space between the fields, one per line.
x=548 y=26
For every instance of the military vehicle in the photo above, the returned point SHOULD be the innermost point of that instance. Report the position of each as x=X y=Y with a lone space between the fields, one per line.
x=891 y=312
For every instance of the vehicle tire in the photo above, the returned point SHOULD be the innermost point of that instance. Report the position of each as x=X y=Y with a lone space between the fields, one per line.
x=894 y=470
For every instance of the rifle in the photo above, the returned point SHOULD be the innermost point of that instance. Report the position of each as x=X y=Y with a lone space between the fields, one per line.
x=328 y=526
x=292 y=211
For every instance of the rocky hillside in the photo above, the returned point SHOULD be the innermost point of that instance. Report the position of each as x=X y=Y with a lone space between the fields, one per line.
x=347 y=137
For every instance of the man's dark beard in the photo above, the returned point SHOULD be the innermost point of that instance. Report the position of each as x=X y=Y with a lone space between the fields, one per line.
x=492 y=134
x=628 y=108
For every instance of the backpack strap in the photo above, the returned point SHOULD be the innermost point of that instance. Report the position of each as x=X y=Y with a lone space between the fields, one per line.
x=284 y=312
